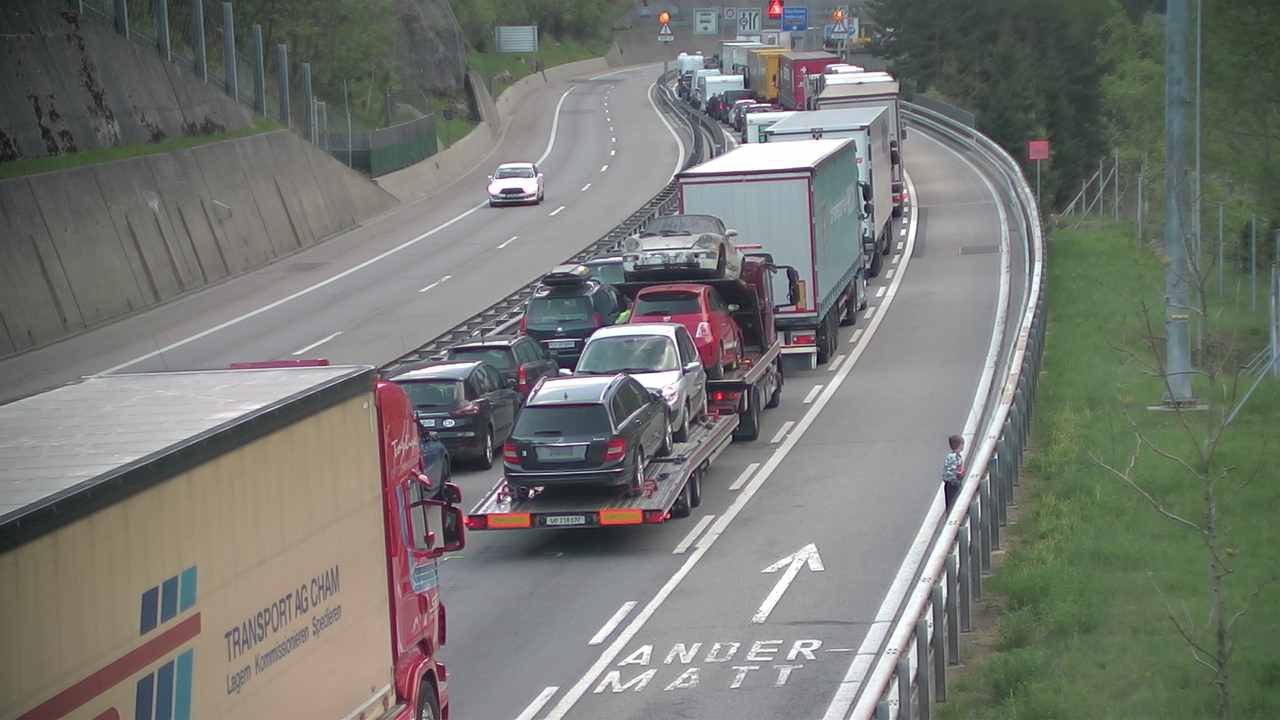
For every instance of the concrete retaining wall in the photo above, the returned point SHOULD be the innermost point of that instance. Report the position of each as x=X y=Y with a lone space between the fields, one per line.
x=85 y=246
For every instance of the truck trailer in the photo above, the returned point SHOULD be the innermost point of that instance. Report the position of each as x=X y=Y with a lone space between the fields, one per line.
x=800 y=202
x=869 y=128
x=714 y=85
x=755 y=124
x=733 y=55
x=698 y=88
x=762 y=75
x=256 y=543
x=794 y=69
x=868 y=89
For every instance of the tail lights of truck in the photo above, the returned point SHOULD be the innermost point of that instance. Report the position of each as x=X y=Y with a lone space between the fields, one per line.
x=725 y=396
x=802 y=339
x=502 y=521
x=621 y=517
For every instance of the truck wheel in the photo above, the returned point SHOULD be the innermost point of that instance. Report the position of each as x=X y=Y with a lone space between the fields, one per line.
x=428 y=703
x=485 y=458
x=695 y=489
x=877 y=262
x=824 y=340
x=684 y=503
x=749 y=421
x=775 y=399
x=681 y=433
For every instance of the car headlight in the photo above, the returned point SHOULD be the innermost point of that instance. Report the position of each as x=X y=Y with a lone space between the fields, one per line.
x=707 y=243
x=449 y=422
x=631 y=244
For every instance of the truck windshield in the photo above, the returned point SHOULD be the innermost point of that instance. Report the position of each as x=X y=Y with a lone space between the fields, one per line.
x=562 y=420
x=667 y=303
x=628 y=353
x=433 y=393
x=684 y=223
x=549 y=312
x=499 y=357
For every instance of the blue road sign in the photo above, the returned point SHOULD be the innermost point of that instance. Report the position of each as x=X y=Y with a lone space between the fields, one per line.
x=795 y=18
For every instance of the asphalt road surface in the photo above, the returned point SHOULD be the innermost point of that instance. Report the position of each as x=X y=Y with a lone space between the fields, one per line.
x=401 y=279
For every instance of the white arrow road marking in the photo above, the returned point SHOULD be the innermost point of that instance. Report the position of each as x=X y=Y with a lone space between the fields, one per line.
x=317 y=343
x=508 y=241
x=442 y=280
x=782 y=432
x=534 y=707
x=555 y=212
x=746 y=475
x=693 y=534
x=807 y=555
x=813 y=393
x=612 y=623
x=586 y=187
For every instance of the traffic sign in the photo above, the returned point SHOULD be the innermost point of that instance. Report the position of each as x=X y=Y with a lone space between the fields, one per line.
x=748 y=20
x=729 y=13
x=665 y=35
x=794 y=18
x=1037 y=149
x=706 y=22
x=775 y=9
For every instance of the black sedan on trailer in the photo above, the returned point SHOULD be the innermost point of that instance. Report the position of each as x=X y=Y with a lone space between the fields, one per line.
x=469 y=406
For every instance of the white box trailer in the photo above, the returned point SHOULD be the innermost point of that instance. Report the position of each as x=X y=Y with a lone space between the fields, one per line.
x=868 y=127
x=868 y=89
x=757 y=123
x=687 y=63
x=716 y=84
x=800 y=203
x=734 y=55
x=698 y=94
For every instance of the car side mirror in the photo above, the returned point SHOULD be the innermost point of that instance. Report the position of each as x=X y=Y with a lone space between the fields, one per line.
x=692 y=367
x=731 y=234
x=564 y=373
x=539 y=176
x=490 y=178
x=656 y=395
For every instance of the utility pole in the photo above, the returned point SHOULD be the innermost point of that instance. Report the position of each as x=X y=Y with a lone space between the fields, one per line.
x=1195 y=204
x=1177 y=273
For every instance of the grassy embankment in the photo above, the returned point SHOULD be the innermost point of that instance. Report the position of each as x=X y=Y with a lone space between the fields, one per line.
x=31 y=166
x=1083 y=631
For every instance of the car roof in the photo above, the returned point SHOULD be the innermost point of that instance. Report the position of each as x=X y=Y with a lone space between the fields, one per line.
x=491 y=341
x=575 y=390
x=449 y=370
x=613 y=260
x=664 y=329
x=694 y=288
x=586 y=287
x=516 y=165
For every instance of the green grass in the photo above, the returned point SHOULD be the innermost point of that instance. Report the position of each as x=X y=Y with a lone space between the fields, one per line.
x=1084 y=632
x=452 y=130
x=32 y=166
x=553 y=52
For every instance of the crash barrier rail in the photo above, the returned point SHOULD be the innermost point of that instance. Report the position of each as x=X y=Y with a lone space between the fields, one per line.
x=502 y=314
x=908 y=673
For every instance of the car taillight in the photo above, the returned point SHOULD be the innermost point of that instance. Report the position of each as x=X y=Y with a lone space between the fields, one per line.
x=467 y=410
x=801 y=339
x=616 y=450
x=522 y=379
x=510 y=453
x=599 y=319
x=704 y=331
x=524 y=324
x=725 y=396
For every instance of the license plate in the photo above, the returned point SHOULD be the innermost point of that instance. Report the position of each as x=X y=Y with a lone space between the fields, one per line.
x=562 y=520
x=560 y=344
x=427 y=422
x=561 y=453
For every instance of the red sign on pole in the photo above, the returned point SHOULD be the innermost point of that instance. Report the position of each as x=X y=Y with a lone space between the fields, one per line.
x=1037 y=149
x=775 y=9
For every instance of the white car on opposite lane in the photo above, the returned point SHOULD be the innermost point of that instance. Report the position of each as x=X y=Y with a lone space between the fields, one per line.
x=517 y=182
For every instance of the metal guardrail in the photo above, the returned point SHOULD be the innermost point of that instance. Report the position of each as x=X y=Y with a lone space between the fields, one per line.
x=504 y=313
x=909 y=672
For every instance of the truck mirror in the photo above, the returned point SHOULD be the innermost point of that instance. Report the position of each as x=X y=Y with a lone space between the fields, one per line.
x=866 y=192
x=455 y=537
x=451 y=493
x=437 y=527
x=866 y=210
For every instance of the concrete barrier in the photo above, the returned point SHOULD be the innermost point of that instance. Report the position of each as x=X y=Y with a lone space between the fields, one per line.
x=442 y=169
x=82 y=247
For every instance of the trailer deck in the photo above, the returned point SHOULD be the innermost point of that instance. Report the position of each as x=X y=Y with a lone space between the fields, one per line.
x=672 y=488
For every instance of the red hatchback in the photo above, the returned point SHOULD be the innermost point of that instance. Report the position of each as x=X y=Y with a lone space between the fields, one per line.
x=702 y=311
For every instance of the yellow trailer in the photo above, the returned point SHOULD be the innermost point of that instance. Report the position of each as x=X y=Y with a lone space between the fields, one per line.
x=762 y=73
x=197 y=545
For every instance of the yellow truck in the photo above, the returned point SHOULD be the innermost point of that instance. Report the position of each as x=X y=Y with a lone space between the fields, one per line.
x=251 y=543
x=762 y=72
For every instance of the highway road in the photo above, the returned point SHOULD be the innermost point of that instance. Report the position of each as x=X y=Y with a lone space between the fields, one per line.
x=403 y=278
x=659 y=621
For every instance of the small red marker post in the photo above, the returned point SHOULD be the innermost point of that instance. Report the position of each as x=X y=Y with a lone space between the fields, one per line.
x=1037 y=150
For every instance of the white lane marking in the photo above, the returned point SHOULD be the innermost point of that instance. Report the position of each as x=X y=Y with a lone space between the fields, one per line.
x=813 y=393
x=893 y=599
x=894 y=261
x=606 y=658
x=534 y=707
x=612 y=623
x=880 y=292
x=899 y=247
x=508 y=241
x=902 y=232
x=892 y=271
x=674 y=134
x=834 y=365
x=317 y=343
x=605 y=167
x=610 y=128
x=551 y=143
x=782 y=432
x=555 y=212
x=688 y=540
x=586 y=187
x=441 y=281
x=807 y=555
x=611 y=154
x=853 y=339
x=746 y=475
x=871 y=312
x=613 y=139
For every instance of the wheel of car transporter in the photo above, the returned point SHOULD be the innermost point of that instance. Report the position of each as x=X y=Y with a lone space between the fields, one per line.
x=684 y=504
x=636 y=487
x=668 y=441
x=749 y=423
x=775 y=398
x=485 y=460
x=824 y=340
x=877 y=262
x=428 y=703
x=681 y=434
x=695 y=488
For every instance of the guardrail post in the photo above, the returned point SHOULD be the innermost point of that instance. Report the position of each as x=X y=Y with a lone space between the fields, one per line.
x=923 y=668
x=941 y=629
x=259 y=72
x=997 y=506
x=984 y=504
x=975 y=562
x=964 y=577
x=120 y=17
x=903 y=671
x=282 y=69
x=308 y=113
x=229 y=50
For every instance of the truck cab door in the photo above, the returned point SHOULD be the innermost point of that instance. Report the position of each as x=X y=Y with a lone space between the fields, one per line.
x=421 y=529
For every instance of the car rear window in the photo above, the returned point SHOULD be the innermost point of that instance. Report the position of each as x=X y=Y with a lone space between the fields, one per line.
x=550 y=310
x=667 y=303
x=558 y=420
x=499 y=357
x=433 y=393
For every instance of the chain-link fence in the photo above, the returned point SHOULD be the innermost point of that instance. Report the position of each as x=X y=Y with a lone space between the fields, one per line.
x=206 y=37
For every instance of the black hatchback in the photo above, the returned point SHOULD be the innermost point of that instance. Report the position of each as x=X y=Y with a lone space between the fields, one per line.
x=586 y=431
x=567 y=306
x=522 y=360
x=469 y=406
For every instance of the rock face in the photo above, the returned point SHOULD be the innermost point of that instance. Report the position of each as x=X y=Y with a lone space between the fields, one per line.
x=430 y=49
